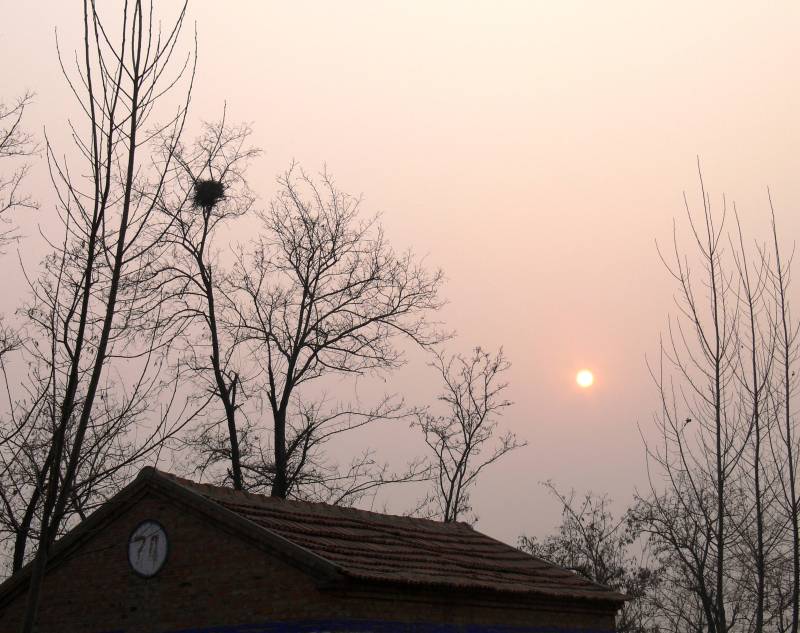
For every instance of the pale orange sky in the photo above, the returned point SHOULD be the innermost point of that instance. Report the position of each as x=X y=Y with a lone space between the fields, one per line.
x=533 y=150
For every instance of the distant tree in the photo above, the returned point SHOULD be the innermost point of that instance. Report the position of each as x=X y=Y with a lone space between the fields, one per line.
x=322 y=293
x=592 y=542
x=464 y=439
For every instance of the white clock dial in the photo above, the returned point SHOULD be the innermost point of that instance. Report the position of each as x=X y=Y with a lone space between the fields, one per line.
x=147 y=548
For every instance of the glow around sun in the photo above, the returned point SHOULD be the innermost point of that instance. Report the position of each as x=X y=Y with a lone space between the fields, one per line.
x=584 y=378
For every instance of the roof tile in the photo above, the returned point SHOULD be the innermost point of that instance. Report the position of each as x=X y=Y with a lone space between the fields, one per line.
x=379 y=547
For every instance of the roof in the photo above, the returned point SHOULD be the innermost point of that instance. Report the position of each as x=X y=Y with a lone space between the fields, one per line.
x=345 y=544
x=374 y=547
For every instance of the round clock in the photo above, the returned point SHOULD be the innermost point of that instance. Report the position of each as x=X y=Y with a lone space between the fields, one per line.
x=147 y=548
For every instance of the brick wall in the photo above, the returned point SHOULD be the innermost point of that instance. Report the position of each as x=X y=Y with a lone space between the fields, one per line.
x=215 y=578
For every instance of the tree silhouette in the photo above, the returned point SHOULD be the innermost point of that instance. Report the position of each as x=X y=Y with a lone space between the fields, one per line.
x=460 y=437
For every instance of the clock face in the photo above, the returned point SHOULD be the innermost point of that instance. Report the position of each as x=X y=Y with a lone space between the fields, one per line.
x=147 y=548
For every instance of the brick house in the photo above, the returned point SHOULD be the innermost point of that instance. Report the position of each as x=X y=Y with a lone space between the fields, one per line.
x=167 y=555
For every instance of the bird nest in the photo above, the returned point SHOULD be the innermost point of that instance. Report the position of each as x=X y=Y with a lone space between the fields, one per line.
x=207 y=193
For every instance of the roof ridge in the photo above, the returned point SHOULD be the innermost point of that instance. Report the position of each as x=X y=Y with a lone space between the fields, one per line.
x=436 y=531
x=271 y=502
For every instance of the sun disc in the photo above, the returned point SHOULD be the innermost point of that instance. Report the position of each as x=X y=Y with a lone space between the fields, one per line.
x=584 y=378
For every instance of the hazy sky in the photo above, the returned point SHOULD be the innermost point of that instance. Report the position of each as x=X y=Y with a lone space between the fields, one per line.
x=533 y=150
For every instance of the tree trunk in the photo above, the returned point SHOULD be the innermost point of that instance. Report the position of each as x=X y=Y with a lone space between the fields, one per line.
x=280 y=484
x=226 y=392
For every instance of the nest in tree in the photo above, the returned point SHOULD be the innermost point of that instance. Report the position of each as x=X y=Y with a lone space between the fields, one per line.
x=207 y=193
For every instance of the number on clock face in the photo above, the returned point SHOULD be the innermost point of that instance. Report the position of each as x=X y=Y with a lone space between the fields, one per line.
x=147 y=548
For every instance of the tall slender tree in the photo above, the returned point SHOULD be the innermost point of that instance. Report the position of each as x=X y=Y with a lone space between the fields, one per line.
x=787 y=356
x=93 y=292
x=209 y=190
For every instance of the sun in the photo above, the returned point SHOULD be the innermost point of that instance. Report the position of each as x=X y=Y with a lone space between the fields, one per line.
x=584 y=378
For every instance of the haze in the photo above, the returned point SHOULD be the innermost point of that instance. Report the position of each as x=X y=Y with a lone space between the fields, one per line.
x=533 y=150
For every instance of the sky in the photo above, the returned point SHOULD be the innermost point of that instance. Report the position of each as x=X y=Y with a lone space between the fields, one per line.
x=535 y=151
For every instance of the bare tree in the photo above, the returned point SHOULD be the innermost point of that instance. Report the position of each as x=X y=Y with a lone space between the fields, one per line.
x=721 y=515
x=756 y=351
x=783 y=395
x=114 y=447
x=701 y=437
x=95 y=301
x=209 y=190
x=674 y=529
x=321 y=294
x=464 y=439
x=15 y=143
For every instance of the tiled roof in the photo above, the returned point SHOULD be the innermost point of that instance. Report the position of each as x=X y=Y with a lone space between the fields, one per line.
x=374 y=547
